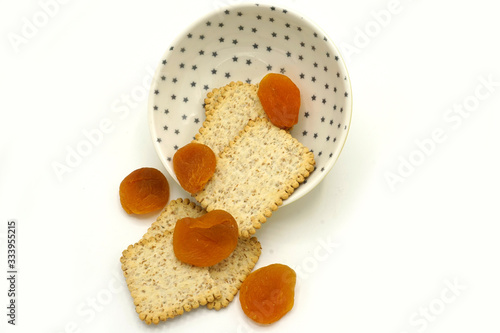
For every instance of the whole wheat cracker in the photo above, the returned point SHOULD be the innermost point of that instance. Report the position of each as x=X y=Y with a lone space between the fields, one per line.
x=259 y=169
x=229 y=273
x=162 y=286
x=228 y=110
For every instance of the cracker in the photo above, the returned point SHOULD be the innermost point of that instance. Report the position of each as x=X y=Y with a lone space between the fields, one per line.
x=230 y=273
x=162 y=286
x=259 y=169
x=228 y=109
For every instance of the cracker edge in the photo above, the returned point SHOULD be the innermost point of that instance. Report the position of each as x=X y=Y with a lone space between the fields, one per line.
x=242 y=275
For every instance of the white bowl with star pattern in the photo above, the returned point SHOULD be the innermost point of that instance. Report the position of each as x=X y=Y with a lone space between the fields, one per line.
x=244 y=43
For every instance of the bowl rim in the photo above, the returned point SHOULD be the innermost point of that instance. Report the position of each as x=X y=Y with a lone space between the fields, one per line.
x=200 y=20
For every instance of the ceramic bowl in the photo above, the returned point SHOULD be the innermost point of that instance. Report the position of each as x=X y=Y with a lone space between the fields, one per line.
x=244 y=43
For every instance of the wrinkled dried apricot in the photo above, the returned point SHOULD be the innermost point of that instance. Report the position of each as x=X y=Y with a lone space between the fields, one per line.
x=206 y=240
x=280 y=99
x=267 y=294
x=194 y=165
x=144 y=191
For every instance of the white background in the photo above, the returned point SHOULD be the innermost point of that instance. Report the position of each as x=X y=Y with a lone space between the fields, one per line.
x=376 y=253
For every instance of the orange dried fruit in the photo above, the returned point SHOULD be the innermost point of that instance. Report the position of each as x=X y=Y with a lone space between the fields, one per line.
x=206 y=240
x=280 y=98
x=267 y=294
x=144 y=191
x=194 y=165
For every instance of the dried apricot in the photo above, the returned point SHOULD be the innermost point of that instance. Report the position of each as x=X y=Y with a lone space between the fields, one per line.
x=267 y=294
x=143 y=191
x=206 y=240
x=280 y=99
x=194 y=165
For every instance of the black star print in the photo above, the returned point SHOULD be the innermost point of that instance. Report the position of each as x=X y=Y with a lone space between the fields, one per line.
x=285 y=11
x=164 y=62
x=176 y=131
x=341 y=109
x=173 y=97
x=259 y=17
x=170 y=159
x=334 y=89
x=196 y=120
x=248 y=81
x=302 y=75
x=269 y=49
x=221 y=25
x=304 y=133
x=249 y=62
x=288 y=54
x=185 y=100
x=328 y=54
x=240 y=13
x=271 y=19
x=338 y=126
x=235 y=59
x=331 y=122
x=274 y=34
x=346 y=94
x=299 y=28
x=255 y=46
x=181 y=65
x=176 y=147
x=315 y=34
x=328 y=138
x=227 y=75
x=315 y=65
x=163 y=78
x=313 y=79
x=306 y=114
x=193 y=84
x=235 y=41
x=313 y=48
x=202 y=37
x=155 y=107
x=302 y=44
x=174 y=80
x=315 y=135
x=338 y=74
x=325 y=69
x=226 y=12
x=273 y=8
x=286 y=37
x=158 y=140
x=221 y=40
x=323 y=101
x=331 y=154
x=322 y=119
x=214 y=54
x=320 y=153
x=165 y=128
x=194 y=67
x=166 y=111
x=254 y=30
x=301 y=57
x=287 y=25
x=337 y=58
x=269 y=67
x=208 y=23
x=183 y=49
x=184 y=117
x=327 y=85
x=201 y=52
x=335 y=106
x=334 y=139
x=313 y=97
x=282 y=70
x=206 y=87
x=240 y=28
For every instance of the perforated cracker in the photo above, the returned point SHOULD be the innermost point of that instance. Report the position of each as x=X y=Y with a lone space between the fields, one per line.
x=255 y=173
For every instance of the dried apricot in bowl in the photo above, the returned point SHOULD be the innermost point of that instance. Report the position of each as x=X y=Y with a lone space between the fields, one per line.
x=280 y=98
x=144 y=191
x=267 y=294
x=194 y=165
x=206 y=240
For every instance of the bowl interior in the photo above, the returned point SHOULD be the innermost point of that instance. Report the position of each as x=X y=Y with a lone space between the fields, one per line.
x=244 y=43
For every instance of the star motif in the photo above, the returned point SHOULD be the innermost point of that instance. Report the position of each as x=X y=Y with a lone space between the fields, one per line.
x=315 y=135
x=158 y=140
x=288 y=54
x=185 y=99
x=165 y=128
x=248 y=81
x=208 y=23
x=163 y=78
x=259 y=17
x=315 y=65
x=193 y=84
x=206 y=87
x=240 y=14
x=174 y=80
x=304 y=133
x=325 y=69
x=202 y=37
x=254 y=30
x=287 y=25
x=313 y=97
x=271 y=19
x=221 y=25
x=176 y=147
x=227 y=75
x=322 y=119
x=269 y=49
x=282 y=70
x=331 y=122
x=164 y=62
x=255 y=46
x=173 y=97
x=327 y=85
x=328 y=138
x=194 y=67
x=214 y=54
x=235 y=41
x=235 y=59
x=313 y=79
x=181 y=65
x=166 y=111
x=274 y=34
x=201 y=52
x=306 y=114
x=176 y=131
x=155 y=107
x=346 y=94
x=183 y=49
x=302 y=75
x=286 y=37
x=269 y=67
x=323 y=101
x=302 y=44
x=249 y=62
x=196 y=120
x=221 y=40
x=184 y=117
x=240 y=28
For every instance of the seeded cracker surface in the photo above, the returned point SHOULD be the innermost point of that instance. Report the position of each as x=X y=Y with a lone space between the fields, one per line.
x=259 y=169
x=228 y=110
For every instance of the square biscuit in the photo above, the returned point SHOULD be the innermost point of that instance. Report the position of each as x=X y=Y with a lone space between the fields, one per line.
x=259 y=169
x=228 y=110
x=162 y=286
